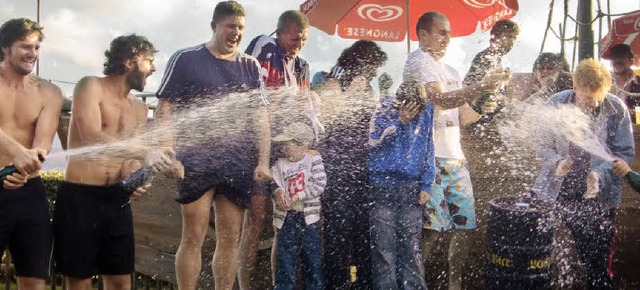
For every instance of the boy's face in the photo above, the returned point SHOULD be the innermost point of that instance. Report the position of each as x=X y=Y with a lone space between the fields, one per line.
x=588 y=100
x=293 y=150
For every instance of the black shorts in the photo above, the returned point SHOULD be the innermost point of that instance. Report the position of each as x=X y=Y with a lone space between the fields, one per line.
x=227 y=169
x=25 y=227
x=195 y=184
x=93 y=231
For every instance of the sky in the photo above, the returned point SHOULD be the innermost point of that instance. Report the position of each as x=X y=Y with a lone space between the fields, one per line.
x=79 y=31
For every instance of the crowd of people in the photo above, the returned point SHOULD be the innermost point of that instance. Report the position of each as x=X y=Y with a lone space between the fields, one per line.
x=349 y=180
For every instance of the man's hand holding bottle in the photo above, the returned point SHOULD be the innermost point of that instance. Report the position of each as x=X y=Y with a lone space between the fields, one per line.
x=491 y=83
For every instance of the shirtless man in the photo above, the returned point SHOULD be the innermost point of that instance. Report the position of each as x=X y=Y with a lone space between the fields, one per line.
x=93 y=225
x=28 y=121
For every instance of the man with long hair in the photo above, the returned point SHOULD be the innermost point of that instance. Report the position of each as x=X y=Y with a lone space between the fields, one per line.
x=93 y=223
x=347 y=111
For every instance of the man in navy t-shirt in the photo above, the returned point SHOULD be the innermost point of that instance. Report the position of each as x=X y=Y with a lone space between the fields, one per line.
x=224 y=149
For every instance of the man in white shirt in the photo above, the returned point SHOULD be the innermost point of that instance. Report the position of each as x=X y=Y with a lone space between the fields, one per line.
x=451 y=203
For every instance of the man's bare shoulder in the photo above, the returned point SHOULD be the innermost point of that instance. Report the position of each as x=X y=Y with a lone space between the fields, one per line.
x=48 y=89
x=138 y=104
x=89 y=87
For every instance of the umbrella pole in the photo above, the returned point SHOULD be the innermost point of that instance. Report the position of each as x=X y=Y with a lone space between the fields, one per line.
x=585 y=33
x=408 y=26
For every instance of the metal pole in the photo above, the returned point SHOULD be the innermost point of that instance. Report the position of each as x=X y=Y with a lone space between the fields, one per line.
x=546 y=31
x=38 y=20
x=575 y=46
x=585 y=33
x=600 y=16
x=564 y=27
x=406 y=10
x=609 y=16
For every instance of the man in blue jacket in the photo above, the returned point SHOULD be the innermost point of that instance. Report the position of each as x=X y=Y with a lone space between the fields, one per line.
x=401 y=172
x=582 y=184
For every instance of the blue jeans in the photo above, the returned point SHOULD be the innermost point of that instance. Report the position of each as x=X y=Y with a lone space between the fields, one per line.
x=296 y=236
x=396 y=225
x=593 y=234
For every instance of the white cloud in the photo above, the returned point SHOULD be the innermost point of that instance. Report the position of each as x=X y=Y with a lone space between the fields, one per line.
x=70 y=37
x=78 y=32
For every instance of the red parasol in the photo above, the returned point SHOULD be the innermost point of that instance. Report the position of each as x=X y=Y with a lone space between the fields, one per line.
x=388 y=20
x=624 y=30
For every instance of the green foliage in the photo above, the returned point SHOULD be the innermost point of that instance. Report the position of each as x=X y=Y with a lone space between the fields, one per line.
x=52 y=180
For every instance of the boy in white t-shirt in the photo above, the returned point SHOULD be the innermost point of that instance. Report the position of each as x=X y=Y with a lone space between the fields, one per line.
x=299 y=180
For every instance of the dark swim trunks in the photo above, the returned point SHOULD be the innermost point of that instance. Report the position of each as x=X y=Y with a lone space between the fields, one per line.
x=93 y=230
x=229 y=172
x=25 y=228
x=224 y=165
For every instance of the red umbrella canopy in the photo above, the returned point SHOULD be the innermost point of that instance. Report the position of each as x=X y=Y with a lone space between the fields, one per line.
x=624 y=30
x=386 y=20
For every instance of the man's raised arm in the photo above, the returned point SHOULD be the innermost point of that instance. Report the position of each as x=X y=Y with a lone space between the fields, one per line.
x=457 y=98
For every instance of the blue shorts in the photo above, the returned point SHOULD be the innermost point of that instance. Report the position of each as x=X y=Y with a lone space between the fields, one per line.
x=451 y=203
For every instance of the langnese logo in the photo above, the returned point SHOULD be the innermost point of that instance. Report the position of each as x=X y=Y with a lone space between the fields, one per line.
x=482 y=3
x=378 y=13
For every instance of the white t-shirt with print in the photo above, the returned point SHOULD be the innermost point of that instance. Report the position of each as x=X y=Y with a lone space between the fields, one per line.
x=421 y=67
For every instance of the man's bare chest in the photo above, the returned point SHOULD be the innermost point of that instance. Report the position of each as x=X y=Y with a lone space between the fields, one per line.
x=19 y=108
x=118 y=119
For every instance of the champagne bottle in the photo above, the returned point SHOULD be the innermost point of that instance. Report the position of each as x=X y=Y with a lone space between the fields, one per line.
x=633 y=178
x=479 y=102
x=137 y=179
x=10 y=169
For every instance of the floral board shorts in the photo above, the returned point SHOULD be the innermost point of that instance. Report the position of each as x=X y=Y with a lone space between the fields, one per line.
x=451 y=204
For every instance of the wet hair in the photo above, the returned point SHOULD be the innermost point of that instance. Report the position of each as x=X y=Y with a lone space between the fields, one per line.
x=550 y=58
x=292 y=17
x=505 y=26
x=412 y=91
x=362 y=54
x=17 y=29
x=593 y=76
x=123 y=48
x=227 y=8
x=621 y=51
x=359 y=59
x=426 y=20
